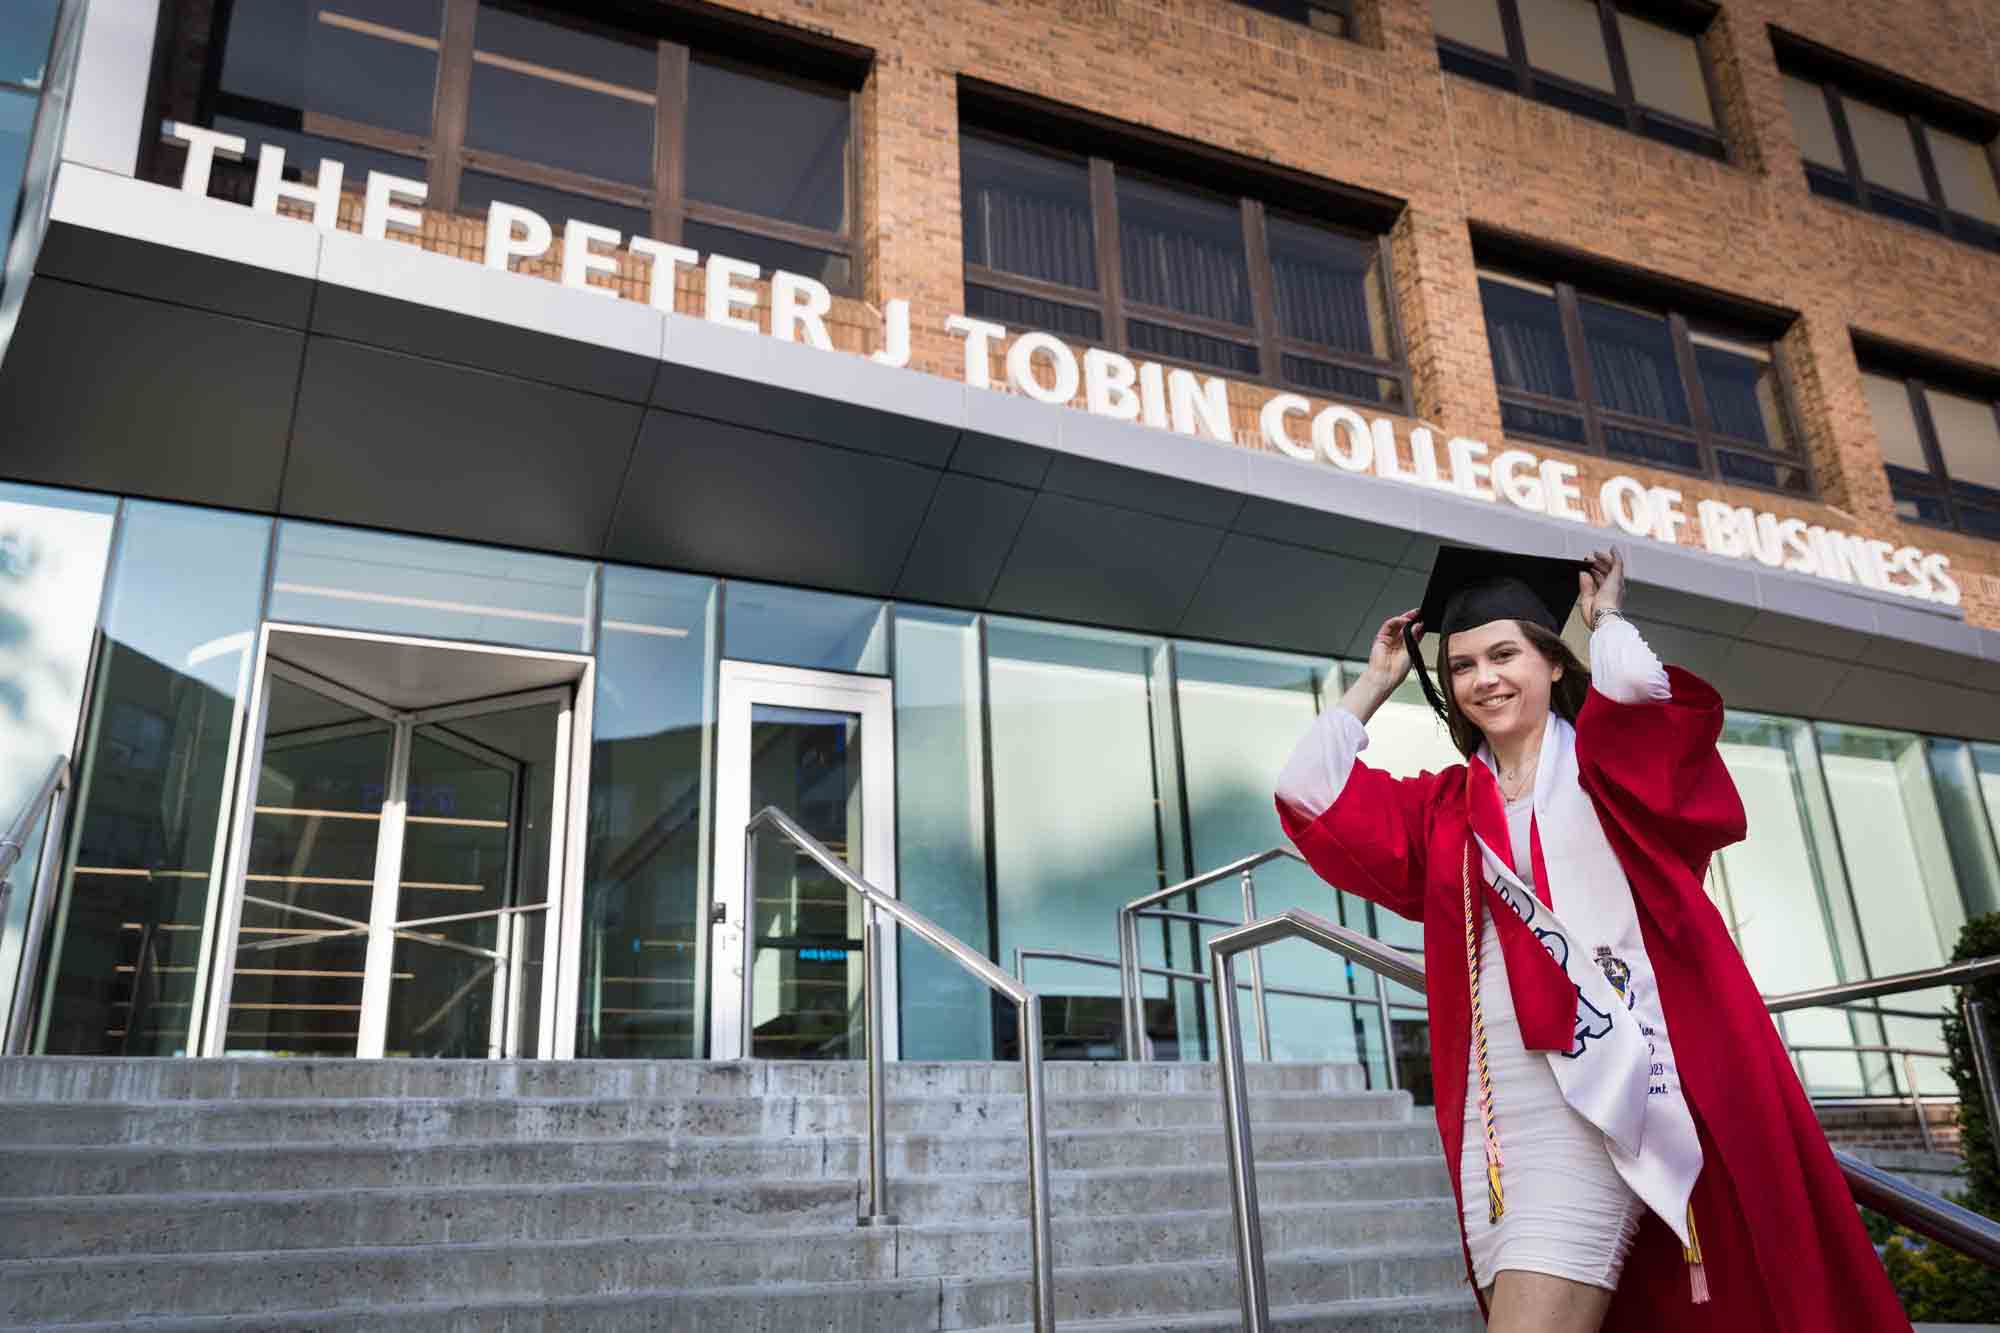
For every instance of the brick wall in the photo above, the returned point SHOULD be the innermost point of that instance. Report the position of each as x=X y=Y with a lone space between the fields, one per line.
x=1379 y=114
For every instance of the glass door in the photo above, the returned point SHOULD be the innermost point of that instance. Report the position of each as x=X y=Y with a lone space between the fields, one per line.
x=818 y=746
x=398 y=872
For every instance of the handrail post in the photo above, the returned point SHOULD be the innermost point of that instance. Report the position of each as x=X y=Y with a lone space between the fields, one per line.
x=1041 y=1259
x=746 y=955
x=1131 y=990
x=878 y=1214
x=1982 y=1060
x=1389 y=1072
x=1256 y=1299
x=1917 y=1100
x=40 y=912
x=1257 y=970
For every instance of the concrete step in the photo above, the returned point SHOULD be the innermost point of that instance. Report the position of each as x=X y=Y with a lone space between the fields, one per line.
x=148 y=1169
x=1425 y=1314
x=51 y=1292
x=431 y=1119
x=95 y=1079
x=1109 y=1192
x=979 y=1241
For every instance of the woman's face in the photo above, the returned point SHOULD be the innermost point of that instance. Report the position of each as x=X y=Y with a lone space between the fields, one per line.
x=1500 y=681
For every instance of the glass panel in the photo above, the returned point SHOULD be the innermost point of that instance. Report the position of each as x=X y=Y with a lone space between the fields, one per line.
x=302 y=945
x=941 y=830
x=794 y=627
x=17 y=123
x=477 y=838
x=1774 y=896
x=1888 y=153
x=371 y=61
x=1524 y=329
x=1757 y=471
x=1341 y=382
x=1632 y=362
x=835 y=270
x=1968 y=434
x=1741 y=385
x=24 y=41
x=1566 y=37
x=1895 y=423
x=179 y=625
x=1813 y=123
x=1956 y=769
x=1666 y=70
x=806 y=988
x=446 y=590
x=1519 y=419
x=1328 y=288
x=1667 y=450
x=236 y=182
x=1183 y=251
x=1473 y=22
x=767 y=146
x=646 y=867
x=53 y=547
x=1986 y=763
x=1965 y=170
x=1031 y=312
x=477 y=191
x=1185 y=345
x=564 y=94
x=1027 y=213
x=1075 y=828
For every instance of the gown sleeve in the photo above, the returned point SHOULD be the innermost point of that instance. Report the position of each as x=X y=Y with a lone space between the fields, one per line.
x=1359 y=828
x=1645 y=745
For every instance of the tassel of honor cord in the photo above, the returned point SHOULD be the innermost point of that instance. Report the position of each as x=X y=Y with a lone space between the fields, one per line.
x=1496 y=1200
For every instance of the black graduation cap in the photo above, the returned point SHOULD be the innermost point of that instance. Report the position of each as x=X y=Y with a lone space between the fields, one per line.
x=1471 y=587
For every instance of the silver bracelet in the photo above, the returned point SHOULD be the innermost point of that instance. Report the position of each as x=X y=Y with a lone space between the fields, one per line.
x=1598 y=615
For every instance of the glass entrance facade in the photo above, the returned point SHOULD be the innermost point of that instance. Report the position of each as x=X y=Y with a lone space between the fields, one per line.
x=1044 y=774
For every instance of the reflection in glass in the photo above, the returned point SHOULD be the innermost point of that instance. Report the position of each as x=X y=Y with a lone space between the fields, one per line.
x=1076 y=829
x=1632 y=362
x=414 y=585
x=17 y=124
x=1565 y=37
x=1813 y=123
x=767 y=146
x=373 y=62
x=1473 y=22
x=477 y=190
x=769 y=253
x=302 y=945
x=1741 y=383
x=1027 y=213
x=303 y=153
x=1900 y=863
x=179 y=623
x=941 y=831
x=1524 y=330
x=1968 y=434
x=645 y=982
x=1328 y=287
x=794 y=627
x=53 y=548
x=477 y=839
x=1183 y=251
x=1666 y=70
x=563 y=94
x=1887 y=150
x=1968 y=777
x=1895 y=421
x=806 y=955
x=1965 y=172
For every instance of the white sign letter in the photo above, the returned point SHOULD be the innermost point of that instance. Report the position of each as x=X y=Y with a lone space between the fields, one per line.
x=1468 y=474
x=724 y=294
x=1515 y=474
x=895 y=349
x=1668 y=517
x=503 y=245
x=1021 y=368
x=800 y=304
x=1108 y=384
x=666 y=262
x=979 y=336
x=1271 y=420
x=1387 y=462
x=203 y=146
x=379 y=208
x=1557 y=478
x=1203 y=402
x=1625 y=504
x=323 y=195
x=1939 y=568
x=579 y=261
x=1359 y=456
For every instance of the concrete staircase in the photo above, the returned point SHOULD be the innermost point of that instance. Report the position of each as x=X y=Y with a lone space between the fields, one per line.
x=431 y=1195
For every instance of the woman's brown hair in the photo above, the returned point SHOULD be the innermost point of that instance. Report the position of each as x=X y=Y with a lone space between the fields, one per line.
x=1566 y=695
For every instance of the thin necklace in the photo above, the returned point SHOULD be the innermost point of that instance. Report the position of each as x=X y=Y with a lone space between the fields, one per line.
x=1523 y=773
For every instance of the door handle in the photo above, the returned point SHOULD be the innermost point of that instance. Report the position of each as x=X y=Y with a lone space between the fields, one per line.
x=718 y=914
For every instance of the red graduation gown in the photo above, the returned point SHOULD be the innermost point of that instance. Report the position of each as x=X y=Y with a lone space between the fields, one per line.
x=1782 y=1243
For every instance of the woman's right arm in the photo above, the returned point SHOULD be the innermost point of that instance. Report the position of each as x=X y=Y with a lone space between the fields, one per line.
x=1371 y=842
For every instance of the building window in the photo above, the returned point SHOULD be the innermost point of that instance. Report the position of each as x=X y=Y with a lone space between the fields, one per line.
x=1639 y=69
x=491 y=99
x=1896 y=160
x=1330 y=16
x=1096 y=251
x=1940 y=438
x=1641 y=382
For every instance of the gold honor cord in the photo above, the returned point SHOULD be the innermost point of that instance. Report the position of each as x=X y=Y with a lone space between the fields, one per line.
x=1496 y=1203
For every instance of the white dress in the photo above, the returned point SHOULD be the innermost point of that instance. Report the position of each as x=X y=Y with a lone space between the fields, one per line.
x=1568 y=1213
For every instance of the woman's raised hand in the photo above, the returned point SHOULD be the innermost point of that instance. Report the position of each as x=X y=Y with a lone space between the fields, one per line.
x=1388 y=655
x=1600 y=588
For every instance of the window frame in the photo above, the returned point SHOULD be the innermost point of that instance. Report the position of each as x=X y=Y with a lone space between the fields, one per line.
x=1917 y=376
x=1513 y=72
x=1344 y=8
x=1682 y=325
x=1851 y=185
x=1114 y=308
x=448 y=157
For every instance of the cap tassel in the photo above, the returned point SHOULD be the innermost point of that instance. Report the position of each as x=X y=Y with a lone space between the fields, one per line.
x=1423 y=676
x=1697 y=1272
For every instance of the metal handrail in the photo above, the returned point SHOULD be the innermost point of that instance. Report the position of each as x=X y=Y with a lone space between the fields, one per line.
x=53 y=797
x=1139 y=1046
x=1919 y=1210
x=878 y=904
x=1951 y=974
